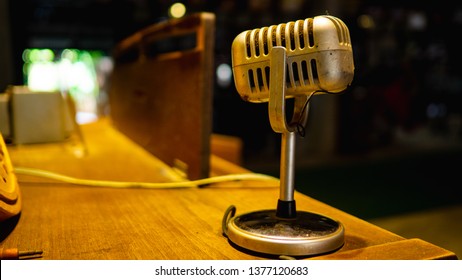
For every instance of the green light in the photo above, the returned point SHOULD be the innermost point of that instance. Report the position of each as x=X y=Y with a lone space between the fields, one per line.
x=47 y=55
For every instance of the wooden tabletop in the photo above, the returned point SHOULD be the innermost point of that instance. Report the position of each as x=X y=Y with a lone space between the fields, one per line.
x=70 y=221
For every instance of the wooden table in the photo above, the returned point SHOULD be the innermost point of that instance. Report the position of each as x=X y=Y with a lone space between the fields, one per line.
x=81 y=222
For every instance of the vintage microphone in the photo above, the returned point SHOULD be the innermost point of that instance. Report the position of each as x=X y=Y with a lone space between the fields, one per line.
x=271 y=64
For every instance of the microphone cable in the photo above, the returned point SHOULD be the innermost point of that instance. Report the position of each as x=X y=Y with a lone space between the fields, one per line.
x=147 y=185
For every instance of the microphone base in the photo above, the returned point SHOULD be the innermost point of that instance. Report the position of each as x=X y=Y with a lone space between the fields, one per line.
x=306 y=234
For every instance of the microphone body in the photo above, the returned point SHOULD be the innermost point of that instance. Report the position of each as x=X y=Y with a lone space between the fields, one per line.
x=319 y=58
x=301 y=58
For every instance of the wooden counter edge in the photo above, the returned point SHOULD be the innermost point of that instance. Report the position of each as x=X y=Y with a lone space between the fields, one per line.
x=408 y=250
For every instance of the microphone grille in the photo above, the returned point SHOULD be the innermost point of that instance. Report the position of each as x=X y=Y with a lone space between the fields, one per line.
x=292 y=35
x=260 y=41
x=304 y=41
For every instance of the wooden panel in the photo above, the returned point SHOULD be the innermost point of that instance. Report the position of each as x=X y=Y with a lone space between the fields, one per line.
x=227 y=147
x=161 y=90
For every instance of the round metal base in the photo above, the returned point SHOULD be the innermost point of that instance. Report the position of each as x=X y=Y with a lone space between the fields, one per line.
x=307 y=234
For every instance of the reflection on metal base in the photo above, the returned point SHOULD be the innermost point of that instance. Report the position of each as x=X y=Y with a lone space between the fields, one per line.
x=307 y=234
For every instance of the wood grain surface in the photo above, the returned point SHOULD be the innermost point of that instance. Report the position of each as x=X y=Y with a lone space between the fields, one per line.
x=81 y=222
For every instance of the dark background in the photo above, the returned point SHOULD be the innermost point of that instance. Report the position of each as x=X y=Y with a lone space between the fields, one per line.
x=389 y=144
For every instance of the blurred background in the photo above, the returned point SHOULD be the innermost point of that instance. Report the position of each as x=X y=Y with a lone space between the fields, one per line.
x=388 y=149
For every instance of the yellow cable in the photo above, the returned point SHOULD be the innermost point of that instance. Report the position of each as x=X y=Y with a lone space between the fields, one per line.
x=117 y=184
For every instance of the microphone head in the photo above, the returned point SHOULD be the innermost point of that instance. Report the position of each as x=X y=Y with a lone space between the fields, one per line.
x=319 y=58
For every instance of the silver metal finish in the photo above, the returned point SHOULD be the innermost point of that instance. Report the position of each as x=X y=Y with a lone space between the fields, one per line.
x=319 y=58
x=277 y=117
x=265 y=231
x=272 y=64
x=309 y=234
x=287 y=166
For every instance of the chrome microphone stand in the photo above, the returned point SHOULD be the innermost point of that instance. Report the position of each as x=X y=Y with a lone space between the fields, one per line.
x=285 y=231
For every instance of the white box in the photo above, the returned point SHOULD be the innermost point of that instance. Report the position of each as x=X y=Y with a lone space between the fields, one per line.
x=37 y=117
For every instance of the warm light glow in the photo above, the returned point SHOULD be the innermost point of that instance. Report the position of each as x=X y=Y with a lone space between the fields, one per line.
x=177 y=10
x=366 y=22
